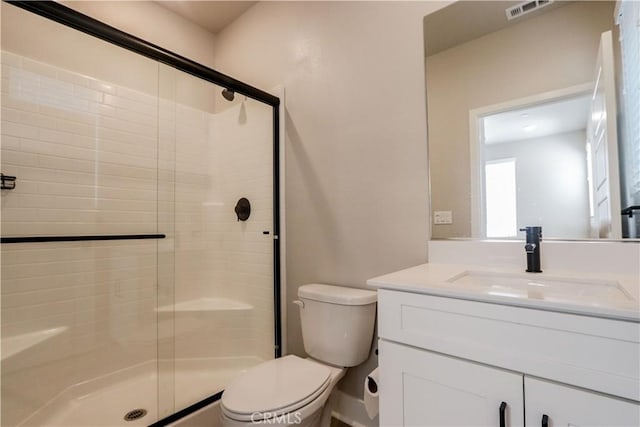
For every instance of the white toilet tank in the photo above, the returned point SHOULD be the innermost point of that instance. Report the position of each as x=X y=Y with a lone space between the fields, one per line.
x=337 y=323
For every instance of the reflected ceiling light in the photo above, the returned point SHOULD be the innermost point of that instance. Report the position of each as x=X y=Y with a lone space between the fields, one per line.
x=529 y=128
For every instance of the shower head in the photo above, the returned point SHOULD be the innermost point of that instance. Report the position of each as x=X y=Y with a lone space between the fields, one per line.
x=228 y=94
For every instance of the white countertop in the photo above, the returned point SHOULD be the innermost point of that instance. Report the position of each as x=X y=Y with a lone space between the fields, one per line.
x=608 y=296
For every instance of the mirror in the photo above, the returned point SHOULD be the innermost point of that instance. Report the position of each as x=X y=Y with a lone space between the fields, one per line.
x=531 y=119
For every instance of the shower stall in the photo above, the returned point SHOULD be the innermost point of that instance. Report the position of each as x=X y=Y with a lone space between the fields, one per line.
x=135 y=282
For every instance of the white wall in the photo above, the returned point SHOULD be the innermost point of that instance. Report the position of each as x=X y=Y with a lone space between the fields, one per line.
x=153 y=23
x=356 y=179
x=551 y=182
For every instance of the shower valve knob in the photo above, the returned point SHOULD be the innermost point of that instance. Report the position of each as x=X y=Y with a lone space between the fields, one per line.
x=243 y=209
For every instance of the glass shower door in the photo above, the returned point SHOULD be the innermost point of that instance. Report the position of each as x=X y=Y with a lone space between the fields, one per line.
x=224 y=299
x=79 y=320
x=106 y=142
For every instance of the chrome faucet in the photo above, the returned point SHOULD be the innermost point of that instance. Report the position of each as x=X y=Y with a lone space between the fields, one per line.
x=532 y=248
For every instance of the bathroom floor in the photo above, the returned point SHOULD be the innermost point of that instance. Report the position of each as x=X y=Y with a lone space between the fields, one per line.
x=337 y=423
x=105 y=401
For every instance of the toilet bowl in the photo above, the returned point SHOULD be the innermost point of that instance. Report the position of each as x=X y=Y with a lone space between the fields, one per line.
x=337 y=330
x=285 y=391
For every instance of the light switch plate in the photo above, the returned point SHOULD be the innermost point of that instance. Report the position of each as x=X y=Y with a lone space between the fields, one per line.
x=442 y=217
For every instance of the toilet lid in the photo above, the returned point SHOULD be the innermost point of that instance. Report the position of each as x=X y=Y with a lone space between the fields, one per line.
x=278 y=386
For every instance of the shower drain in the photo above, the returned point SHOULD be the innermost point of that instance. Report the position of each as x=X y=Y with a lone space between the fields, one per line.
x=135 y=414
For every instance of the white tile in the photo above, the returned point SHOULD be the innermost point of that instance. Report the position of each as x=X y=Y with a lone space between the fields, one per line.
x=127 y=127
x=88 y=94
x=136 y=95
x=63 y=103
x=129 y=104
x=60 y=150
x=5 y=87
x=103 y=109
x=13 y=157
x=55 y=136
x=104 y=87
x=148 y=118
x=54 y=88
x=19 y=214
x=62 y=189
x=40 y=120
x=19 y=130
x=10 y=115
x=76 y=128
x=66 y=164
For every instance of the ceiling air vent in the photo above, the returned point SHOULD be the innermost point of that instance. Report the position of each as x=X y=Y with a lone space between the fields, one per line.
x=526 y=7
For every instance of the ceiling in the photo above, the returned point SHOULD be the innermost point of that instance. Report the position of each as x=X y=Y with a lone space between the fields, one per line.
x=210 y=15
x=537 y=121
x=468 y=20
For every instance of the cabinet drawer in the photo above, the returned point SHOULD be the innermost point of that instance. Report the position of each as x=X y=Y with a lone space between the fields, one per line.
x=593 y=353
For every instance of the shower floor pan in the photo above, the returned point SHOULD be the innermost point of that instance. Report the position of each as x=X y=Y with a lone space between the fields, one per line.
x=104 y=401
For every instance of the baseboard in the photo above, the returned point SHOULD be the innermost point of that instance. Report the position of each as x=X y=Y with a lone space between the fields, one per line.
x=350 y=410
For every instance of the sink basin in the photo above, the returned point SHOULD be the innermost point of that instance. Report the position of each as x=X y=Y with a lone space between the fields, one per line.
x=540 y=287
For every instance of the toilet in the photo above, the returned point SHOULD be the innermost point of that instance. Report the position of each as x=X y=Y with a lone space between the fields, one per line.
x=337 y=330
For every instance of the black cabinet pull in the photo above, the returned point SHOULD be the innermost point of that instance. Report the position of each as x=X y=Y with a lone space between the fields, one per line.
x=503 y=408
x=545 y=420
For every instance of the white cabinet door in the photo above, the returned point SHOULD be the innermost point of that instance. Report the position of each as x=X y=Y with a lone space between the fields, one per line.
x=565 y=406
x=421 y=388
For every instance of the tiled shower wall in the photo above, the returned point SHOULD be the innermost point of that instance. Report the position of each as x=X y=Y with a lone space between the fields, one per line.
x=84 y=152
x=223 y=153
x=90 y=160
x=247 y=169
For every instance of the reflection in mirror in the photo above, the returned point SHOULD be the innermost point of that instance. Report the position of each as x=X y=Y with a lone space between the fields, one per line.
x=534 y=169
x=531 y=119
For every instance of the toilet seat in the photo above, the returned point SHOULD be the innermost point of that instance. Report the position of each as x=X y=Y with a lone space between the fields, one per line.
x=275 y=388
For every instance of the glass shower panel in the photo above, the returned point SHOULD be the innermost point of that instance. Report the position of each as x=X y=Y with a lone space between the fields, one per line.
x=224 y=302
x=106 y=142
x=79 y=319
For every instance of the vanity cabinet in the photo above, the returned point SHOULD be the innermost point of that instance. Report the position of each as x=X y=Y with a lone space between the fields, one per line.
x=428 y=389
x=448 y=361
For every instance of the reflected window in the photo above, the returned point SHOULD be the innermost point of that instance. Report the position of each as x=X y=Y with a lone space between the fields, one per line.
x=500 y=191
x=629 y=22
